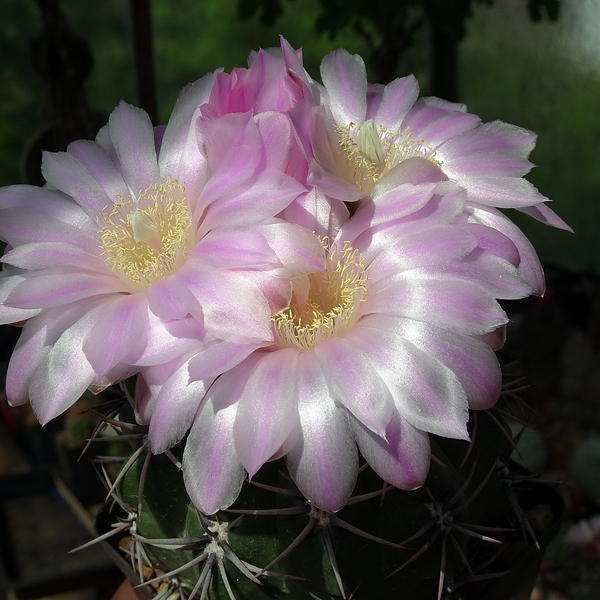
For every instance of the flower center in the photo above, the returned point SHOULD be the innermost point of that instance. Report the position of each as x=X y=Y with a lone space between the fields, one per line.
x=368 y=151
x=147 y=238
x=323 y=304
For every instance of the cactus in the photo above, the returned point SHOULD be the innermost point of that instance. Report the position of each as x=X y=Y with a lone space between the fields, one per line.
x=290 y=269
x=447 y=539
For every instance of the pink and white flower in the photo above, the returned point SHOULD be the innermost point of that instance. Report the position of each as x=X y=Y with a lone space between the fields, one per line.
x=382 y=346
x=276 y=80
x=365 y=137
x=218 y=258
x=145 y=242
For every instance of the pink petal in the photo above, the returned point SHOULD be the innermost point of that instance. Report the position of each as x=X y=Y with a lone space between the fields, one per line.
x=494 y=149
x=276 y=133
x=9 y=314
x=19 y=226
x=169 y=340
x=100 y=167
x=354 y=383
x=182 y=123
x=25 y=207
x=39 y=289
x=323 y=462
x=217 y=358
x=233 y=151
x=234 y=309
x=385 y=209
x=174 y=408
x=10 y=278
x=36 y=339
x=315 y=212
x=51 y=203
x=274 y=285
x=543 y=213
x=499 y=277
x=149 y=384
x=44 y=255
x=529 y=263
x=434 y=297
x=315 y=128
x=143 y=400
x=293 y=63
x=398 y=98
x=436 y=121
x=493 y=242
x=331 y=184
x=440 y=201
x=495 y=339
x=345 y=79
x=298 y=249
x=132 y=134
x=403 y=460
x=180 y=155
x=419 y=248
x=415 y=170
x=502 y=192
x=268 y=195
x=120 y=332
x=268 y=409
x=119 y=372
x=212 y=472
x=425 y=392
x=274 y=87
x=374 y=98
x=63 y=372
x=170 y=298
x=104 y=140
x=469 y=358
x=188 y=168
x=63 y=171
x=234 y=248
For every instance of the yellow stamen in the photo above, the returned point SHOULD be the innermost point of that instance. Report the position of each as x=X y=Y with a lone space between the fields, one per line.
x=325 y=303
x=366 y=152
x=147 y=238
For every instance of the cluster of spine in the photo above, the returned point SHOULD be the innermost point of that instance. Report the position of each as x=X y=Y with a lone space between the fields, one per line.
x=449 y=539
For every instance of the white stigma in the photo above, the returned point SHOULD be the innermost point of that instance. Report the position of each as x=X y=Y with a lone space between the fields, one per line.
x=144 y=230
x=369 y=144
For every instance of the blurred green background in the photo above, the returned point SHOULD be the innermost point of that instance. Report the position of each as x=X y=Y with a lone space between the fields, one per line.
x=543 y=75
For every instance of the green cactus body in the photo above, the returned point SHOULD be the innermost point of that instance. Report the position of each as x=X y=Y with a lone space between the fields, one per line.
x=445 y=539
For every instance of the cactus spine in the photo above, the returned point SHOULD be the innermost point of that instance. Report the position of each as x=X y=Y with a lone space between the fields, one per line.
x=447 y=539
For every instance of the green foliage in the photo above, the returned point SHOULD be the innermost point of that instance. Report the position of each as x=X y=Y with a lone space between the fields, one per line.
x=389 y=29
x=537 y=8
x=19 y=112
x=336 y=15
x=268 y=10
